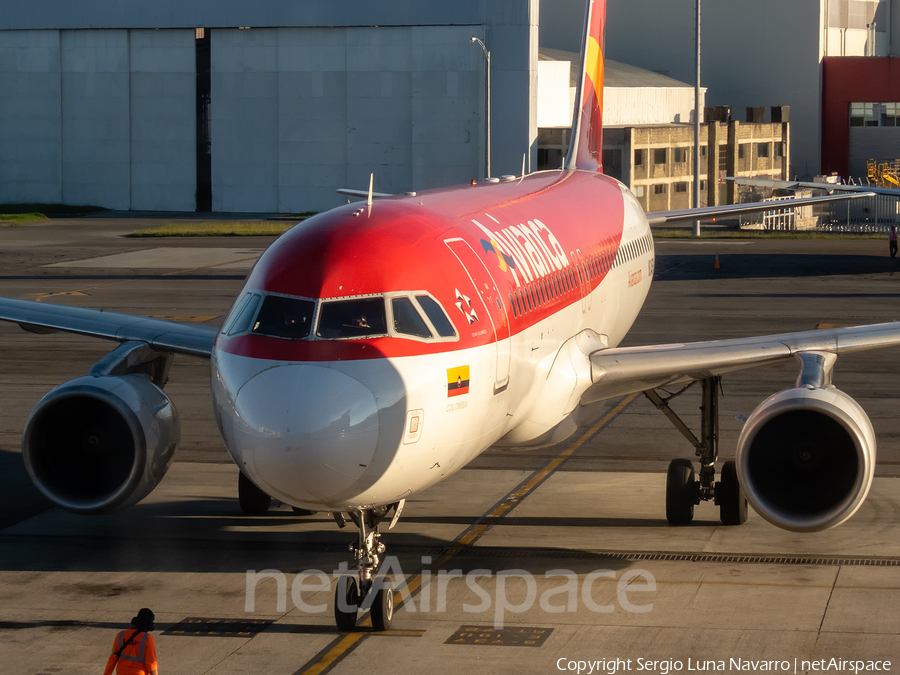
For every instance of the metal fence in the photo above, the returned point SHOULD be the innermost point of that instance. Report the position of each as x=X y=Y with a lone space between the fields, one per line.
x=869 y=214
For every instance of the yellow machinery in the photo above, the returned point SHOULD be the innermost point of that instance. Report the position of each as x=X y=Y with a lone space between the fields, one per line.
x=884 y=174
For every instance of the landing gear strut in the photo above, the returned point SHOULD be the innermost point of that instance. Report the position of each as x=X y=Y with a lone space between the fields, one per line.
x=365 y=590
x=683 y=491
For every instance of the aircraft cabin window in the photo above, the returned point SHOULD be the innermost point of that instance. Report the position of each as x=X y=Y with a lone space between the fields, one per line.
x=241 y=315
x=284 y=317
x=407 y=320
x=436 y=315
x=352 y=318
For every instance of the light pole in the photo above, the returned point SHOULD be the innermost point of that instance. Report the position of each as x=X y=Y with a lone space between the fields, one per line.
x=487 y=98
x=696 y=228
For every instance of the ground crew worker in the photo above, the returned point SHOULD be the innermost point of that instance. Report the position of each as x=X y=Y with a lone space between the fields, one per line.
x=134 y=649
x=892 y=240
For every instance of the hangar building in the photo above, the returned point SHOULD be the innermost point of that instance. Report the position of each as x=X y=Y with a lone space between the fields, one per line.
x=830 y=61
x=242 y=106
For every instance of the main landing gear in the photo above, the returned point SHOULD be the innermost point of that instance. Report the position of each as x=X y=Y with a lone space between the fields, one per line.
x=255 y=502
x=366 y=591
x=683 y=491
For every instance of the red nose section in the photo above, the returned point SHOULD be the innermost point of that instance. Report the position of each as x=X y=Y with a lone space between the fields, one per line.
x=355 y=250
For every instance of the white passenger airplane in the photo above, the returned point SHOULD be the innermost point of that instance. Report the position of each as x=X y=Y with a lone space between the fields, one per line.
x=379 y=347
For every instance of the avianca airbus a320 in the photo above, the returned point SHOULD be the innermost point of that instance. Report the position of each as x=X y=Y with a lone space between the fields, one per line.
x=379 y=347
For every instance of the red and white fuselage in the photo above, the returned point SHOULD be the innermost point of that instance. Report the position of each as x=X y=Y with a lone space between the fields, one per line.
x=368 y=408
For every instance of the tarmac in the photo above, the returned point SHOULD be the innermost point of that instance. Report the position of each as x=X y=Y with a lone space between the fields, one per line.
x=532 y=561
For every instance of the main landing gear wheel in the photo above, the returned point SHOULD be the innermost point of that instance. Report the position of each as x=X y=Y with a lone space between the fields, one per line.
x=681 y=491
x=346 y=604
x=730 y=497
x=253 y=501
x=383 y=608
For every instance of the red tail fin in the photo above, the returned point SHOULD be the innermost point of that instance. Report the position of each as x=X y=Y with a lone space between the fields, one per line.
x=586 y=146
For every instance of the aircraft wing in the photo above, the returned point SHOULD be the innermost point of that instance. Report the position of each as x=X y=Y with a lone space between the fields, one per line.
x=161 y=335
x=706 y=213
x=809 y=185
x=626 y=370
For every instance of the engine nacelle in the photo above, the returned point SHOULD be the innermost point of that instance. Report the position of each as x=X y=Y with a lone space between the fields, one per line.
x=95 y=444
x=806 y=458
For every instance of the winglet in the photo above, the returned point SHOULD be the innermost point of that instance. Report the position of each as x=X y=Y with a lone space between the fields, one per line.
x=586 y=144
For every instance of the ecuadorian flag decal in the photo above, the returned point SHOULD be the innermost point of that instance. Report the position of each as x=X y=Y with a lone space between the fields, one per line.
x=457 y=381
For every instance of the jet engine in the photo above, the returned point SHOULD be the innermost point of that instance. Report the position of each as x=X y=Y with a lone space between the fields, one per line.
x=95 y=444
x=806 y=458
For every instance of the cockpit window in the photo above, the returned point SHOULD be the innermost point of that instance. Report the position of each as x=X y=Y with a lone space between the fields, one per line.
x=242 y=315
x=352 y=318
x=436 y=315
x=284 y=317
x=407 y=320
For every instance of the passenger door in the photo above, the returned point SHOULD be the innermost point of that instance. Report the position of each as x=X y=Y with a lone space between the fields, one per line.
x=491 y=301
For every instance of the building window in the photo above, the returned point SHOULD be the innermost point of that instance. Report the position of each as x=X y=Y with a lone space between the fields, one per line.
x=703 y=151
x=702 y=185
x=889 y=114
x=659 y=156
x=612 y=162
x=779 y=150
x=681 y=187
x=863 y=115
x=639 y=158
x=639 y=191
x=680 y=155
x=762 y=150
x=659 y=189
x=741 y=150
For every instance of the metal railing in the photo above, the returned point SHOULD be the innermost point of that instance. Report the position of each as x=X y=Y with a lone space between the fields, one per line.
x=867 y=215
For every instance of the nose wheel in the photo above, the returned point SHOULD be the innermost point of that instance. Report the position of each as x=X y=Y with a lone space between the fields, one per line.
x=365 y=590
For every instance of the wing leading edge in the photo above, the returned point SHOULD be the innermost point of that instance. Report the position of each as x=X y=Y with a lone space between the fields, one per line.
x=810 y=185
x=626 y=370
x=161 y=335
x=705 y=213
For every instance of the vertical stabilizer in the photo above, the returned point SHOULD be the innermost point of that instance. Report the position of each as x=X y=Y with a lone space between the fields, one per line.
x=586 y=146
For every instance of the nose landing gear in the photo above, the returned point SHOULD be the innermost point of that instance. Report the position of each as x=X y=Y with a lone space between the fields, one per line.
x=366 y=590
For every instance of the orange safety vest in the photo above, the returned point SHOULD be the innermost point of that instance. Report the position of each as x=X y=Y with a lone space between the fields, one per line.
x=138 y=658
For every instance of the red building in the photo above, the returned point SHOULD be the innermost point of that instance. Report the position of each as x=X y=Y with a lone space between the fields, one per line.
x=860 y=113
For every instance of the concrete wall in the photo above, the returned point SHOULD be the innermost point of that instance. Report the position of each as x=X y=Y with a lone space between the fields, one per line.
x=297 y=112
x=760 y=53
x=878 y=143
x=83 y=14
x=163 y=120
x=98 y=117
x=555 y=100
x=30 y=117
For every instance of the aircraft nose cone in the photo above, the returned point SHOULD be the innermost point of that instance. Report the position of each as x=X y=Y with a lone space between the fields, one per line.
x=306 y=432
